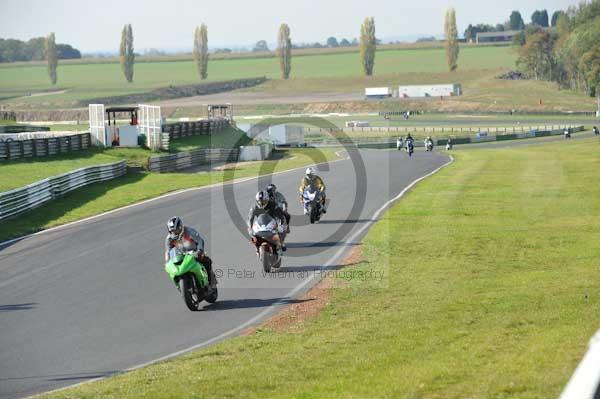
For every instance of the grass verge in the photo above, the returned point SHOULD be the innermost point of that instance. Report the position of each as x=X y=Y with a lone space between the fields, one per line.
x=135 y=187
x=19 y=173
x=496 y=296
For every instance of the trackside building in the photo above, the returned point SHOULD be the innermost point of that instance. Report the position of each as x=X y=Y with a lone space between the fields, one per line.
x=443 y=90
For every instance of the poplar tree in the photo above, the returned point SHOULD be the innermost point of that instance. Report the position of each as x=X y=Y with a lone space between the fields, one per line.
x=51 y=57
x=126 y=54
x=452 y=48
x=201 y=50
x=284 y=50
x=367 y=45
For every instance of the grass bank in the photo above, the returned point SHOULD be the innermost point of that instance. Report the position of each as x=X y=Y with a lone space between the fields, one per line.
x=135 y=187
x=496 y=296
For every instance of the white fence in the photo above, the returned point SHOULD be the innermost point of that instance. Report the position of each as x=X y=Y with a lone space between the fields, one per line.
x=23 y=199
x=585 y=382
x=151 y=125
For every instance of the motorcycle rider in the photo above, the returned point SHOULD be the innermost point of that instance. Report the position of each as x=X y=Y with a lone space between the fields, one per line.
x=312 y=178
x=596 y=132
x=399 y=143
x=409 y=142
x=188 y=239
x=262 y=205
x=280 y=201
x=428 y=141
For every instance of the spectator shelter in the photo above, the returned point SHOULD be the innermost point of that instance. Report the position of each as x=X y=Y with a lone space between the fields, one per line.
x=220 y=111
x=116 y=126
x=123 y=134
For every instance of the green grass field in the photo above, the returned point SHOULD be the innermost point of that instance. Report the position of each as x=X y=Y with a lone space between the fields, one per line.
x=324 y=73
x=496 y=296
x=134 y=187
x=82 y=81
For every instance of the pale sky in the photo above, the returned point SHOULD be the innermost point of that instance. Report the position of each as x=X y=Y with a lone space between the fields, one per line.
x=166 y=24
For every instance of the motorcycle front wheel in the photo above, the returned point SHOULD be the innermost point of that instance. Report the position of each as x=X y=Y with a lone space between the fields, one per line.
x=265 y=257
x=313 y=214
x=188 y=292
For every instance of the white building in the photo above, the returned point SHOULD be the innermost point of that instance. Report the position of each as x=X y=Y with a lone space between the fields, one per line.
x=443 y=90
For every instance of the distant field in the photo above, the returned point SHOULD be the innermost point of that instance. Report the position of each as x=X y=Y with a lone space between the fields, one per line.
x=83 y=81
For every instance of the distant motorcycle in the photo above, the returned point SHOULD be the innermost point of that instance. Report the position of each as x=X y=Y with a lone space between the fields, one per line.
x=399 y=145
x=567 y=134
x=268 y=236
x=448 y=146
x=429 y=145
x=410 y=147
x=190 y=278
x=312 y=201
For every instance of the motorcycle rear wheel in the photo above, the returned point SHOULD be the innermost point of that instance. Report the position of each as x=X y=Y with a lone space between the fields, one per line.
x=212 y=298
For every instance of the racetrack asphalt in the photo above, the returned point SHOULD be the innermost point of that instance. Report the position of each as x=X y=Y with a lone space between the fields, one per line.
x=92 y=299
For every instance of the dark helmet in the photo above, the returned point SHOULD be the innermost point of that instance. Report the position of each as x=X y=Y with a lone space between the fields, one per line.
x=175 y=227
x=271 y=189
x=262 y=199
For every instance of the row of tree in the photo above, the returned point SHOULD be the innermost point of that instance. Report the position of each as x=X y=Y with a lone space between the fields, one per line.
x=515 y=21
x=13 y=50
x=284 y=49
x=367 y=47
x=569 y=54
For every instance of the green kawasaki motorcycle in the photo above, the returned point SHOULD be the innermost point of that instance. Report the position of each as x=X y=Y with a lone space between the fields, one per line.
x=190 y=278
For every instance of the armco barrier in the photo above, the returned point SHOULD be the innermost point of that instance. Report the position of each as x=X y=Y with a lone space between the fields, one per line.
x=502 y=137
x=188 y=159
x=23 y=128
x=23 y=199
x=436 y=129
x=368 y=142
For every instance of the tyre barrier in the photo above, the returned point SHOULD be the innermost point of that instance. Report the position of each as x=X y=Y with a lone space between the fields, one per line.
x=42 y=147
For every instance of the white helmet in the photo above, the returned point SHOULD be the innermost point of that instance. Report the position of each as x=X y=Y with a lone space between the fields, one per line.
x=310 y=172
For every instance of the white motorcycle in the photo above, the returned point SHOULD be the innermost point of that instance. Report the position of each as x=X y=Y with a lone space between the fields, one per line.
x=312 y=203
x=268 y=236
x=428 y=145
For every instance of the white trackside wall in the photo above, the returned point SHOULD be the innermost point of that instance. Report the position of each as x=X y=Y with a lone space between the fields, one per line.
x=97 y=125
x=444 y=90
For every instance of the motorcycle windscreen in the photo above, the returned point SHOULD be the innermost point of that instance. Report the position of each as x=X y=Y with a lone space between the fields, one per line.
x=264 y=223
x=310 y=193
